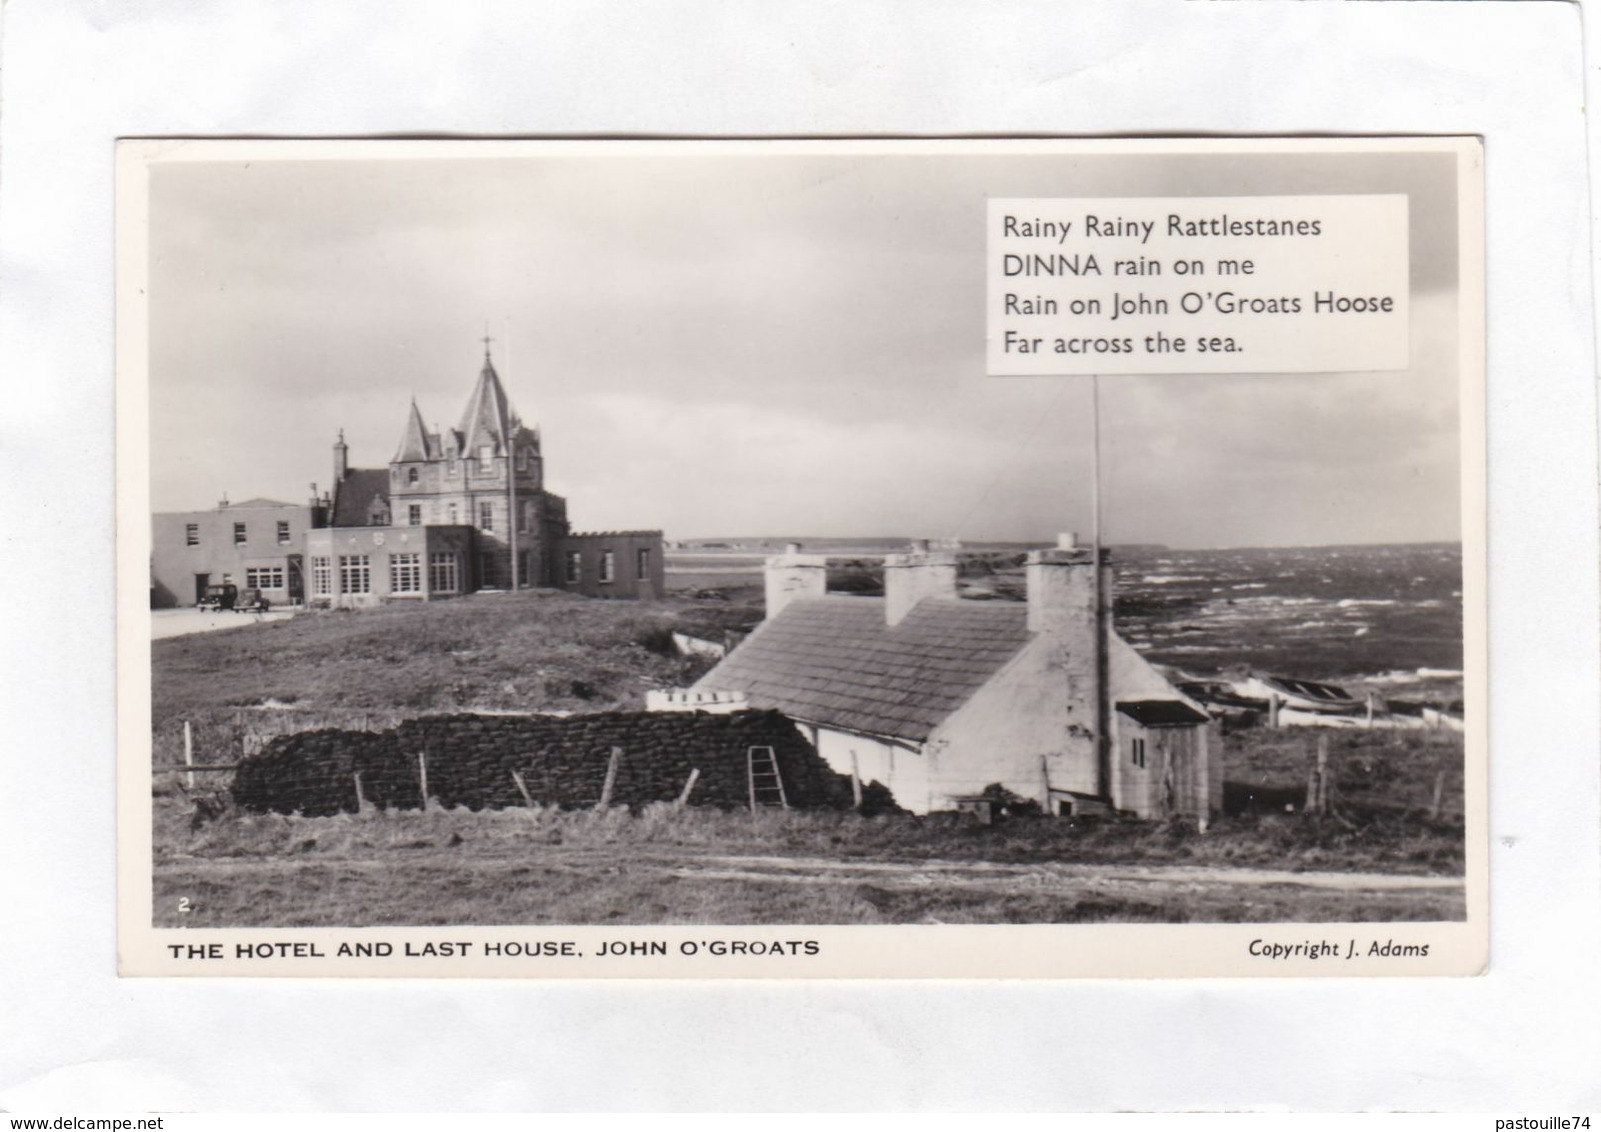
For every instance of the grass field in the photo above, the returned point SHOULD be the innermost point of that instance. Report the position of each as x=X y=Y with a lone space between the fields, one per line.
x=1379 y=856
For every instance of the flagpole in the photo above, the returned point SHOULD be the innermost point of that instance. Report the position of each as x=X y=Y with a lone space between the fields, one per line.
x=1103 y=762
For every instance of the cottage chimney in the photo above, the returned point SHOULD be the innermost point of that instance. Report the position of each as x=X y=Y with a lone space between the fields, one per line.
x=1062 y=609
x=791 y=577
x=1061 y=597
x=909 y=578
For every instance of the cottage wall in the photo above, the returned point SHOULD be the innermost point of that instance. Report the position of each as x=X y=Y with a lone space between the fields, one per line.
x=1027 y=723
x=905 y=772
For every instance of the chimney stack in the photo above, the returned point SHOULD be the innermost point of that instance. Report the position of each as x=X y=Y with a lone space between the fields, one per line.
x=1061 y=596
x=791 y=577
x=341 y=459
x=911 y=577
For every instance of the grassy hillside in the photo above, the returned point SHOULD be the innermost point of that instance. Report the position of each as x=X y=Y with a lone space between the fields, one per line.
x=526 y=651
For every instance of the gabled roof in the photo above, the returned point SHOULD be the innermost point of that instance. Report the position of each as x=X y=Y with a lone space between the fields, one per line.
x=1162 y=713
x=833 y=661
x=354 y=494
x=489 y=417
x=414 y=442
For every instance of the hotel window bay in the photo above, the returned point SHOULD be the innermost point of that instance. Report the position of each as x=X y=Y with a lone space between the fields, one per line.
x=264 y=577
x=405 y=573
x=355 y=574
x=322 y=577
x=442 y=573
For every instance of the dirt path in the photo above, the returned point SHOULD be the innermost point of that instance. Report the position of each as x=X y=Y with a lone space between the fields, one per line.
x=824 y=870
x=982 y=871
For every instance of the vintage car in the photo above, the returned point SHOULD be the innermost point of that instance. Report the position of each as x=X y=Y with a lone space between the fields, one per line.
x=251 y=601
x=218 y=597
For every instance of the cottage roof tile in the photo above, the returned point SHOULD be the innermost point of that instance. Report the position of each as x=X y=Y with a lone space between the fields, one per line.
x=834 y=661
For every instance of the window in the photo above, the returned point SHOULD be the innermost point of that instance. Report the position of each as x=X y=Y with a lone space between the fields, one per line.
x=526 y=519
x=414 y=515
x=454 y=515
x=283 y=532
x=442 y=573
x=450 y=464
x=486 y=517
x=608 y=565
x=486 y=569
x=322 y=577
x=575 y=566
x=405 y=573
x=355 y=574
x=486 y=454
x=264 y=577
x=191 y=534
x=411 y=475
x=1137 y=750
x=522 y=459
x=239 y=534
x=524 y=573
x=643 y=562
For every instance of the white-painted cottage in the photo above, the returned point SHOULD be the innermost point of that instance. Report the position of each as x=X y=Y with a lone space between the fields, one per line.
x=938 y=697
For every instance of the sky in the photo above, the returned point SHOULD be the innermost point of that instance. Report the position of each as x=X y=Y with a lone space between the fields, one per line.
x=760 y=343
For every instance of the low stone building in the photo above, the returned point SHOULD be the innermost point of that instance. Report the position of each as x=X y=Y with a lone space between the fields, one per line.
x=938 y=698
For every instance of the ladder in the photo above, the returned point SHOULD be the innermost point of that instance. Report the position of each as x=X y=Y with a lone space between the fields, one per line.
x=766 y=785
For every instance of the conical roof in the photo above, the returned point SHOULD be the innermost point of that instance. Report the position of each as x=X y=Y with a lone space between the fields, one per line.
x=414 y=441
x=488 y=419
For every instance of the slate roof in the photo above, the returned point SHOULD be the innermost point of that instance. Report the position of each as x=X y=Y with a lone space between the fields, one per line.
x=488 y=418
x=833 y=661
x=1161 y=713
x=415 y=442
x=354 y=494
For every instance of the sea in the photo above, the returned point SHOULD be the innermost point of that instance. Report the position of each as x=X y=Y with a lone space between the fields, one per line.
x=1388 y=614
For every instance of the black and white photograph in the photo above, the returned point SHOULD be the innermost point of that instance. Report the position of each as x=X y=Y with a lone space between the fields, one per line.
x=672 y=558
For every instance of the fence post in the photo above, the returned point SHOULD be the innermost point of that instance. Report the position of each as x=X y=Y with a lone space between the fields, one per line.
x=361 y=800
x=188 y=753
x=683 y=798
x=1317 y=799
x=523 y=788
x=1439 y=796
x=611 y=778
x=856 y=780
x=422 y=777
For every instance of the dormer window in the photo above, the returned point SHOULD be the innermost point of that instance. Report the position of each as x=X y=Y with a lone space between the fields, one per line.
x=486 y=453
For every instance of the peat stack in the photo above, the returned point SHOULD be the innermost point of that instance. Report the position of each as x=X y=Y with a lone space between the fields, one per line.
x=473 y=761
